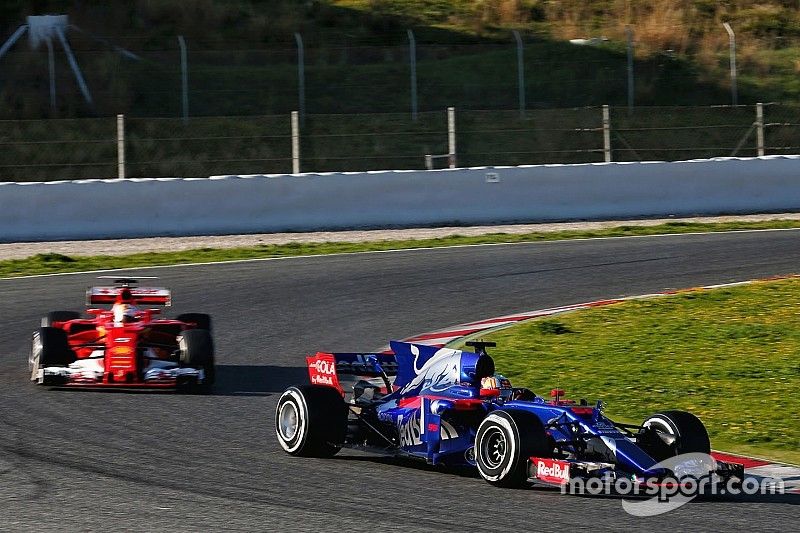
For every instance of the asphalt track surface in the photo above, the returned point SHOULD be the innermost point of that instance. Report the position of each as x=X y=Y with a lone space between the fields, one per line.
x=79 y=461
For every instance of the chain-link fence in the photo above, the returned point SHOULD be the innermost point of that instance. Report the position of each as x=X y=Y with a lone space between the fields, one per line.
x=37 y=150
x=347 y=79
x=207 y=146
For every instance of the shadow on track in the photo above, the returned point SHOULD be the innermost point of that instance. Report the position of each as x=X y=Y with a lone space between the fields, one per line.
x=788 y=498
x=256 y=380
x=410 y=463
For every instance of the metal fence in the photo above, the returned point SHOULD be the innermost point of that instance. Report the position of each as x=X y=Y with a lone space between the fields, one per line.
x=422 y=74
x=43 y=150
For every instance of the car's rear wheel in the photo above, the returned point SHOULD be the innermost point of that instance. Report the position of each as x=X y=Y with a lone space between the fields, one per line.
x=680 y=432
x=49 y=347
x=311 y=421
x=196 y=350
x=59 y=316
x=503 y=444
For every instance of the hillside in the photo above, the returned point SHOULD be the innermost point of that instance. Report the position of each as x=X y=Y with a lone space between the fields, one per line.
x=242 y=60
x=242 y=54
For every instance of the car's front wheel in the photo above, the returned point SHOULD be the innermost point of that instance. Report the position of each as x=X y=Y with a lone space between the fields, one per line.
x=200 y=320
x=196 y=350
x=503 y=444
x=49 y=347
x=679 y=432
x=311 y=421
x=59 y=316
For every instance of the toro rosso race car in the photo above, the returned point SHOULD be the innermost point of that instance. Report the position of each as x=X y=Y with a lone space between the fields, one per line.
x=124 y=346
x=449 y=407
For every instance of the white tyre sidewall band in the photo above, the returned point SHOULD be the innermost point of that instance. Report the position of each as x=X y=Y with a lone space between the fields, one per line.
x=511 y=450
x=296 y=397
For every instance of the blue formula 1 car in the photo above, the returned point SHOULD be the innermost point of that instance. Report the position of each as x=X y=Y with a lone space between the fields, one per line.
x=449 y=407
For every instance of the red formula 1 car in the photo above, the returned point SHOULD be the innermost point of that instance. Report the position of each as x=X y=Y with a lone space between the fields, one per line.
x=124 y=346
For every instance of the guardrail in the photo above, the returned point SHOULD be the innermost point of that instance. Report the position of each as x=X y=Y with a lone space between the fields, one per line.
x=266 y=203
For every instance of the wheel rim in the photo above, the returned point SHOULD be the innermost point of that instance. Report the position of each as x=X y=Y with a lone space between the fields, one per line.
x=288 y=421
x=494 y=446
x=660 y=426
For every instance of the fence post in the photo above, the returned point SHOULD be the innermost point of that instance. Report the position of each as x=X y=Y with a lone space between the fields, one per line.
x=606 y=135
x=629 y=33
x=732 y=46
x=295 y=143
x=760 y=129
x=51 y=64
x=451 y=135
x=184 y=79
x=301 y=75
x=121 y=147
x=520 y=73
x=412 y=58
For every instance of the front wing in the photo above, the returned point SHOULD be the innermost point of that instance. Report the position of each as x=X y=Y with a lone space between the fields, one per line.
x=89 y=373
x=559 y=472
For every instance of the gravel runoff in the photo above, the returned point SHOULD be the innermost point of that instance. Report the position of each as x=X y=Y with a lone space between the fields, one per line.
x=170 y=244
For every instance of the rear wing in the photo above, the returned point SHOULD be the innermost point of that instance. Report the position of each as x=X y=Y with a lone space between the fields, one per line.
x=342 y=370
x=140 y=295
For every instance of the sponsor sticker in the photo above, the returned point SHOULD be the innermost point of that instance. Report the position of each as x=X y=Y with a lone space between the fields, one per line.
x=551 y=470
x=122 y=350
x=322 y=366
x=322 y=370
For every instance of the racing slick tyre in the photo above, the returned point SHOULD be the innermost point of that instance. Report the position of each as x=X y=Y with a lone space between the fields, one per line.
x=58 y=316
x=311 y=421
x=202 y=320
x=503 y=444
x=49 y=348
x=681 y=432
x=196 y=350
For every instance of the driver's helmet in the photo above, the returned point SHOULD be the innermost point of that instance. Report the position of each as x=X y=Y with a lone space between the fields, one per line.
x=125 y=313
x=498 y=382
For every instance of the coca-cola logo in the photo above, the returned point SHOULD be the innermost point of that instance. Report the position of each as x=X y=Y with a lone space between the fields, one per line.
x=324 y=367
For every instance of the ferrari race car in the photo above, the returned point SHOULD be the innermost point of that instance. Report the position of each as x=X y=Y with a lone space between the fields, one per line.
x=124 y=346
x=449 y=407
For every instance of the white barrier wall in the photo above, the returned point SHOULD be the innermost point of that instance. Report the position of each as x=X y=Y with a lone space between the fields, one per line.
x=247 y=204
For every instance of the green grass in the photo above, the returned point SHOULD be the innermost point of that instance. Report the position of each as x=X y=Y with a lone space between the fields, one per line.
x=51 y=263
x=731 y=356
